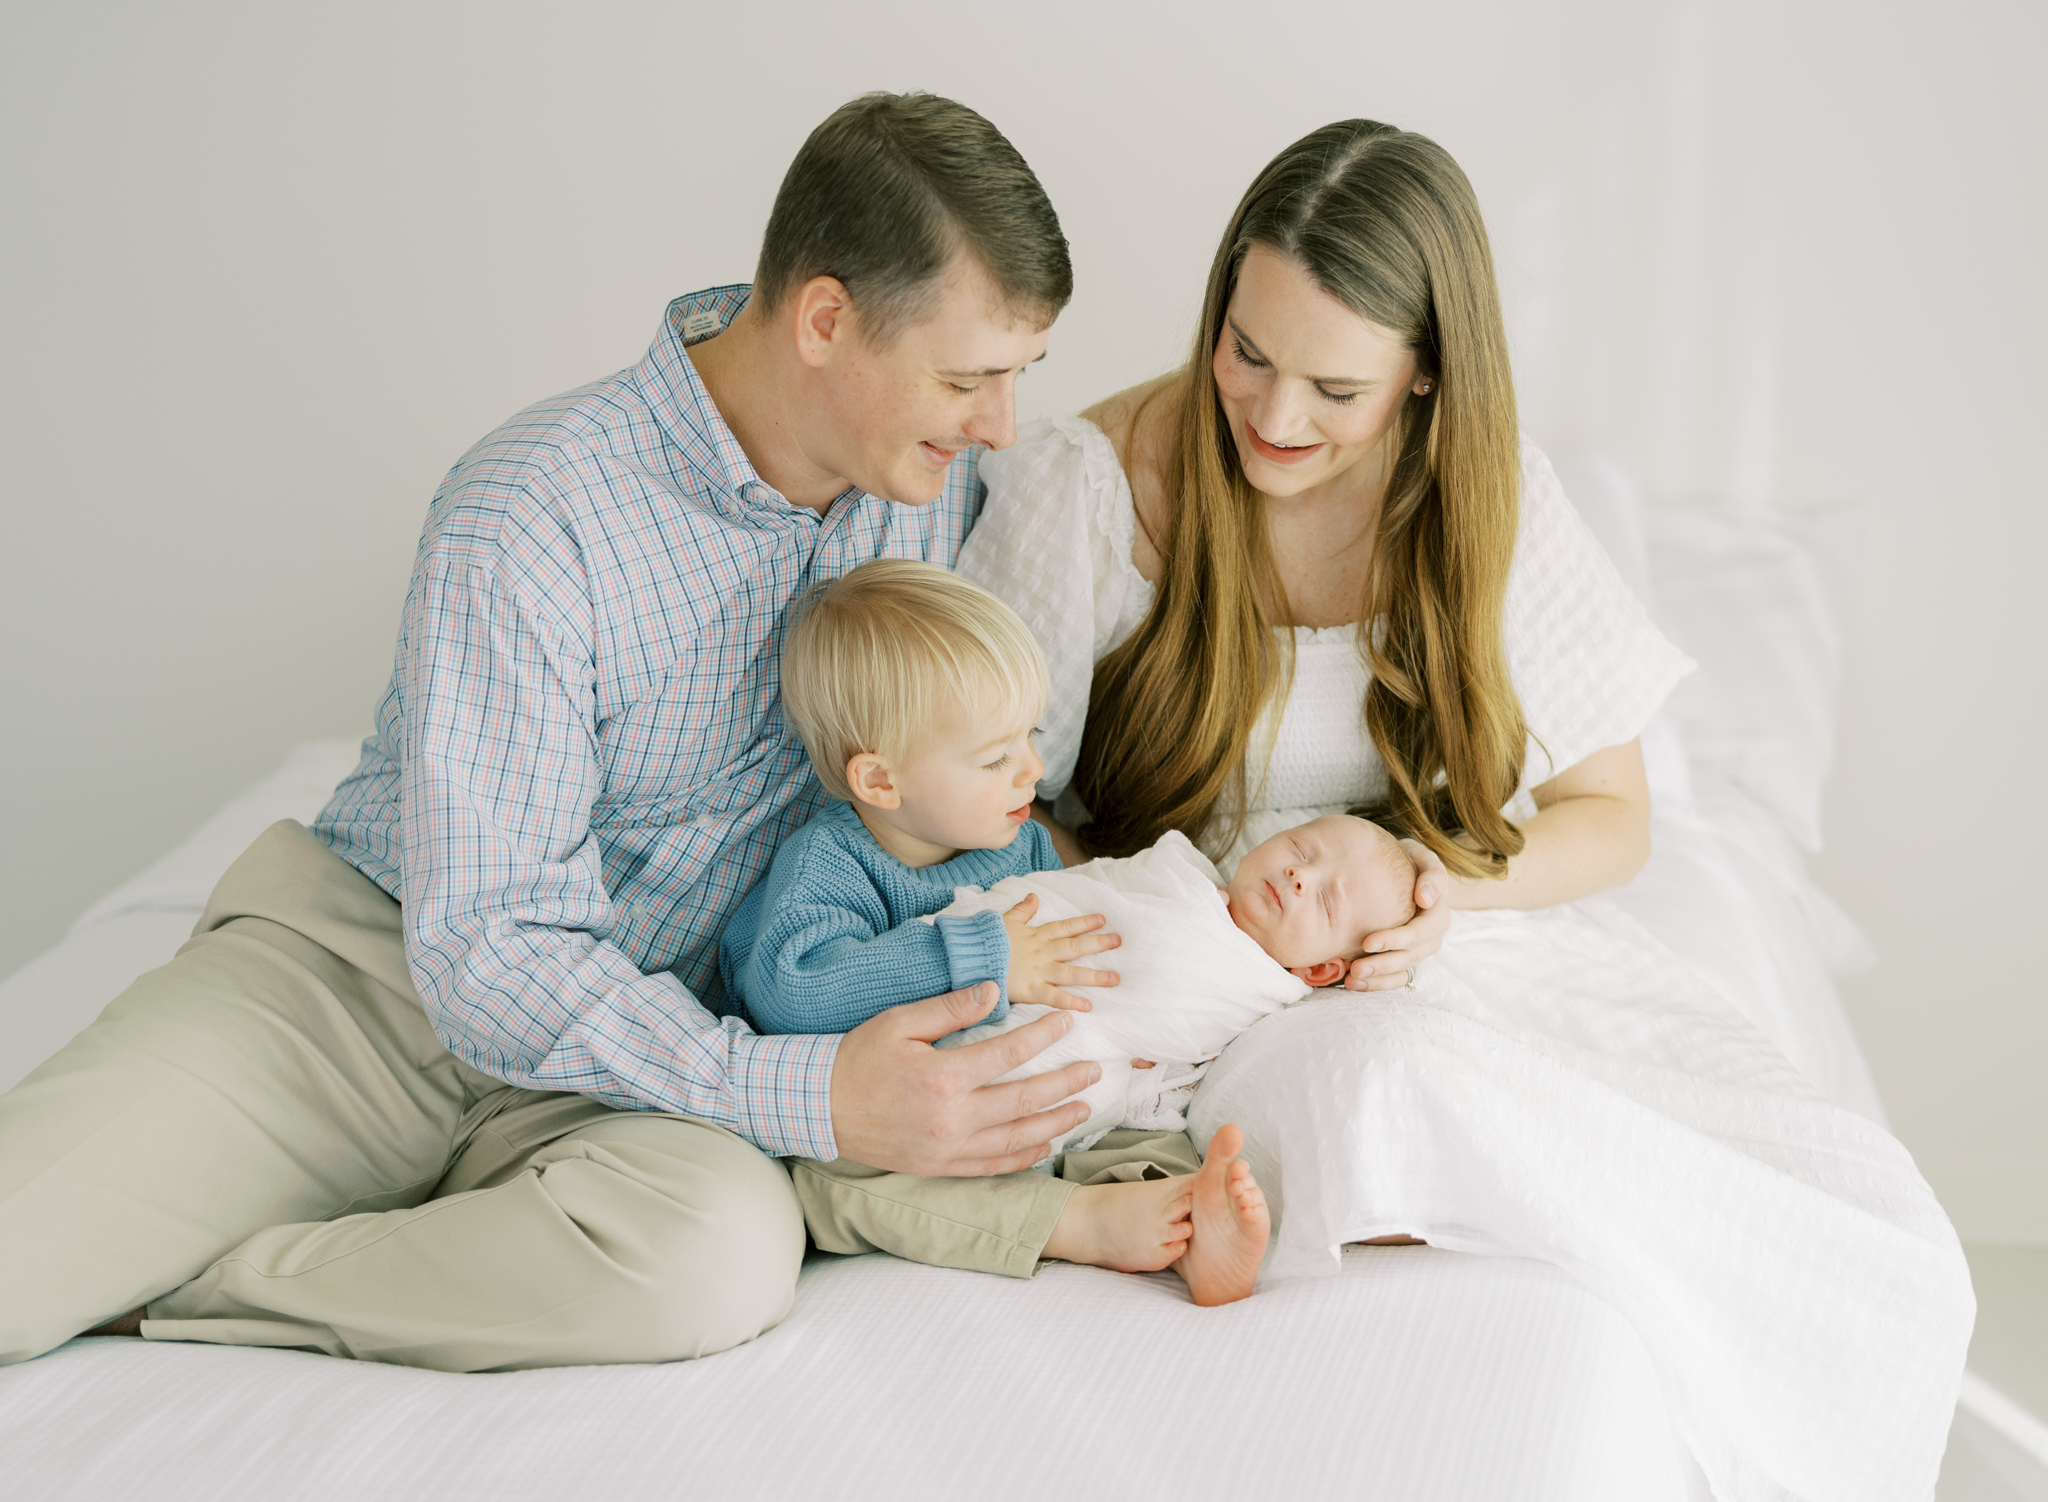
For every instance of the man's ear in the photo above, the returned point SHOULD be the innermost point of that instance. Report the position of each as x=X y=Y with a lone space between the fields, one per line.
x=867 y=775
x=823 y=310
x=1328 y=973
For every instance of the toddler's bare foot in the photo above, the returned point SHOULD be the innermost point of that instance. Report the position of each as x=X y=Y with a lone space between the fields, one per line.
x=1230 y=1225
x=1134 y=1228
x=126 y=1324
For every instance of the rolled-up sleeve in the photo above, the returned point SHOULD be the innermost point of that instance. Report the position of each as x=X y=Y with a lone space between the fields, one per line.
x=506 y=910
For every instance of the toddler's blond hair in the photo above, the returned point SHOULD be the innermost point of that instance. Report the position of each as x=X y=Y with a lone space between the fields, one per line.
x=877 y=658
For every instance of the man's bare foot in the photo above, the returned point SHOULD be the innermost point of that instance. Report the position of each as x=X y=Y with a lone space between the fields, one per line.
x=126 y=1324
x=1230 y=1225
x=1138 y=1227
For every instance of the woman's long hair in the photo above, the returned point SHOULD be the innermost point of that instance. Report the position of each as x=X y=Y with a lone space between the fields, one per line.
x=1385 y=222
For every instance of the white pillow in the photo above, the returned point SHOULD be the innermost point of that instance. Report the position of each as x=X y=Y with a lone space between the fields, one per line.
x=1756 y=598
x=1753 y=597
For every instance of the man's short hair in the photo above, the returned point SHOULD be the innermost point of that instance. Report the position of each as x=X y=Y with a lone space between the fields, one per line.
x=887 y=190
x=878 y=658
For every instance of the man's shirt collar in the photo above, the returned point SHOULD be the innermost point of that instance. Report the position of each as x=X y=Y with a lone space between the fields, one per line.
x=685 y=410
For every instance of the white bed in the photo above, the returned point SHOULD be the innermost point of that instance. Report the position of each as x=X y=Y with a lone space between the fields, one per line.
x=1416 y=1372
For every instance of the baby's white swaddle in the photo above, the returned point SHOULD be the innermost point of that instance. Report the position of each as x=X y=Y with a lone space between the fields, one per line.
x=1189 y=980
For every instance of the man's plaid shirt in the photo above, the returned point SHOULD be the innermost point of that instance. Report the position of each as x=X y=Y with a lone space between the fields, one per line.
x=582 y=764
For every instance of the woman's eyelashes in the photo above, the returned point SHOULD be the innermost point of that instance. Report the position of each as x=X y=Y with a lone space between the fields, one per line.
x=1250 y=361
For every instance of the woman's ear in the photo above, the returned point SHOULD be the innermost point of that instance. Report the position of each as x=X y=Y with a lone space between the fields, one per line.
x=867 y=775
x=1328 y=973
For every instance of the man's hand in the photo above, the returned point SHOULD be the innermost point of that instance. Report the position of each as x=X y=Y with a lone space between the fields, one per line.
x=900 y=1104
x=1039 y=956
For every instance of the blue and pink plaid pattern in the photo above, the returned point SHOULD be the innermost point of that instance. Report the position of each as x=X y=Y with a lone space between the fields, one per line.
x=581 y=764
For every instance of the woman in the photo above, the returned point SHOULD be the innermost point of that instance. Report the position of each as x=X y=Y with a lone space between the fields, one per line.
x=1317 y=568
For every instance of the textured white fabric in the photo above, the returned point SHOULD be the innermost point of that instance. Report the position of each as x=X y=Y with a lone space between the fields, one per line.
x=1188 y=980
x=1566 y=1089
x=1320 y=755
x=1054 y=541
x=1417 y=1374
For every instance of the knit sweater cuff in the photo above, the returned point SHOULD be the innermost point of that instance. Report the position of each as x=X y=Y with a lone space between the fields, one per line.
x=978 y=949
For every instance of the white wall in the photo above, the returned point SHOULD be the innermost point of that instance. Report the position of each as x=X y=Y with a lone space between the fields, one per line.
x=269 y=270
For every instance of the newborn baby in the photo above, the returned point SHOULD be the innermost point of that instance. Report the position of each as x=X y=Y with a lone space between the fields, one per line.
x=1200 y=962
x=1311 y=894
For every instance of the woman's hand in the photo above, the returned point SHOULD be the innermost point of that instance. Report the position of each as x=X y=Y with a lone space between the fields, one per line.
x=1391 y=953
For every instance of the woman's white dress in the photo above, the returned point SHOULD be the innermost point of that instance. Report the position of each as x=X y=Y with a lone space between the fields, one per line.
x=1563 y=1086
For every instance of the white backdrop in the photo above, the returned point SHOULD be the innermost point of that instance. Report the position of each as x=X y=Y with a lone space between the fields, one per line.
x=269 y=270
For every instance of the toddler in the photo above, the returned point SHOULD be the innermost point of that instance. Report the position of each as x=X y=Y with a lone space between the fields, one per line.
x=915 y=693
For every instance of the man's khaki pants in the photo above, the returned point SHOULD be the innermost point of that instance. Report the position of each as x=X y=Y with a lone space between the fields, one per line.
x=266 y=1142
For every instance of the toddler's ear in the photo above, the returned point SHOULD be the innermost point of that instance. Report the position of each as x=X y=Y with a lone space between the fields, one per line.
x=1328 y=973
x=868 y=776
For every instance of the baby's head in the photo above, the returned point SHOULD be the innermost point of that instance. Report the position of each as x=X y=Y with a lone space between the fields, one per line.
x=915 y=693
x=1312 y=894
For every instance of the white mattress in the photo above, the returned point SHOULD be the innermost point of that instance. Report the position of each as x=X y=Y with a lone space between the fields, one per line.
x=1420 y=1373
x=1416 y=1372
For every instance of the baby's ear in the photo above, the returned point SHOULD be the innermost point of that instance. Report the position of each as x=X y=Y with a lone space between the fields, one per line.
x=1328 y=973
x=867 y=775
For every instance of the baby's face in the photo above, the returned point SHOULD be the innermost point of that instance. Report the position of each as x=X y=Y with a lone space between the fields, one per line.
x=967 y=784
x=1311 y=894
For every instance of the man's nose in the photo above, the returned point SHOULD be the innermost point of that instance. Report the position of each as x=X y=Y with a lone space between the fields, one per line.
x=994 y=418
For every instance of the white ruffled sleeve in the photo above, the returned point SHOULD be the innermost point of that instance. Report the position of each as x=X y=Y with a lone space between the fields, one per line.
x=1054 y=543
x=1587 y=663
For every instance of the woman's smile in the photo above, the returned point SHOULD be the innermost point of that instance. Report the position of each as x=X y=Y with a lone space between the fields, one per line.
x=1279 y=453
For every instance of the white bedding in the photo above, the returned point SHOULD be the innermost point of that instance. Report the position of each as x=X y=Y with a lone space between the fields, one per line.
x=1422 y=1374
x=1414 y=1372
x=1565 y=1090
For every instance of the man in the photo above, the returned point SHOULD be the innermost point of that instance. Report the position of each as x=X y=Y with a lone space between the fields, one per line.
x=436 y=1082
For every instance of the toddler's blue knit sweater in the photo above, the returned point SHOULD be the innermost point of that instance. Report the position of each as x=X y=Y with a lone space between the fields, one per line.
x=829 y=937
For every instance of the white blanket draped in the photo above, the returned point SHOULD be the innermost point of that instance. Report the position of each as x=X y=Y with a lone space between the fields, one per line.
x=1566 y=1089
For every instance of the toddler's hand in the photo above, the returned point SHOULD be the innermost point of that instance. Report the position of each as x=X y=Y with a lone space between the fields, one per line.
x=1039 y=956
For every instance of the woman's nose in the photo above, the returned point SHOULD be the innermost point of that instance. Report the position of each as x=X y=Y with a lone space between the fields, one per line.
x=1275 y=417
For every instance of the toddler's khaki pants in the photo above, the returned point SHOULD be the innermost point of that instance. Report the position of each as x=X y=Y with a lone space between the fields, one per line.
x=266 y=1142
x=990 y=1225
